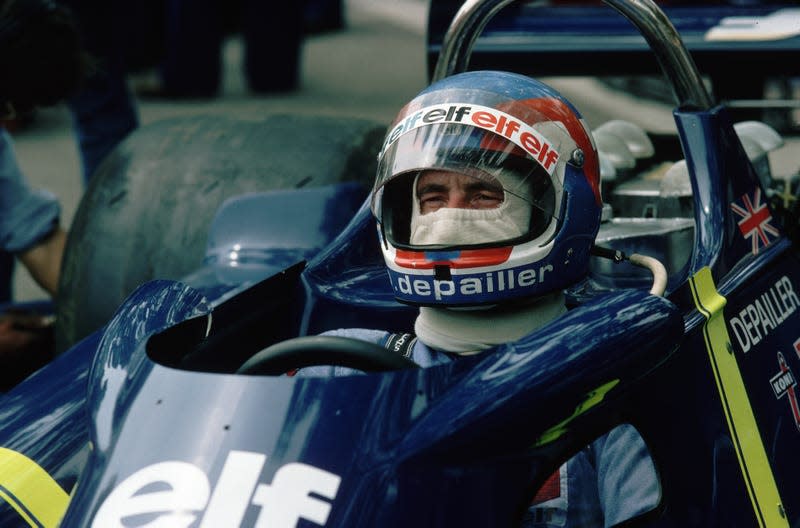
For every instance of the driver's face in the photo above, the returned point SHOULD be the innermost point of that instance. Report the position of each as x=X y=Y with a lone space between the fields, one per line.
x=439 y=189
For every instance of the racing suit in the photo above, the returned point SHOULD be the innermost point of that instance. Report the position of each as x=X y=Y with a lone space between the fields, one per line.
x=611 y=480
x=26 y=216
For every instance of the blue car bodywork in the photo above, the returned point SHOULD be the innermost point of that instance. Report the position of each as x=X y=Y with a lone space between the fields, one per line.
x=147 y=421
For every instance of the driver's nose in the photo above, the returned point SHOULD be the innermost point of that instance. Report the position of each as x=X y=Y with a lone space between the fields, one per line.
x=457 y=200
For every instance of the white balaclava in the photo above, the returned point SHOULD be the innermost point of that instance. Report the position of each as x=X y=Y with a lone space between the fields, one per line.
x=454 y=226
x=468 y=331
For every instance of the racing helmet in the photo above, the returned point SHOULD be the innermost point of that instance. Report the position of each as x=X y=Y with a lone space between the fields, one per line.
x=500 y=131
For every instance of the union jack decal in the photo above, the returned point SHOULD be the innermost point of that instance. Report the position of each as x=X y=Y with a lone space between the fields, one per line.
x=755 y=220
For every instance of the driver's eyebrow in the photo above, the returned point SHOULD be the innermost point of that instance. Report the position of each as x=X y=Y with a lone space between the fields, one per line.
x=432 y=188
x=470 y=187
x=483 y=186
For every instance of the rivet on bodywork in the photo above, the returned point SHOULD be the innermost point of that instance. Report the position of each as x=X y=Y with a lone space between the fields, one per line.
x=577 y=158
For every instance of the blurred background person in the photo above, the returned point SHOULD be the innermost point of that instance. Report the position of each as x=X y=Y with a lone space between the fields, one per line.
x=104 y=112
x=43 y=62
x=193 y=34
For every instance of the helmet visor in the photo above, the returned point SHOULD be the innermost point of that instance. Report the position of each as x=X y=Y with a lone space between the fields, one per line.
x=473 y=152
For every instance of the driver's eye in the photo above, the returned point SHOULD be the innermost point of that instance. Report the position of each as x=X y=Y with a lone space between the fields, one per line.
x=488 y=200
x=432 y=202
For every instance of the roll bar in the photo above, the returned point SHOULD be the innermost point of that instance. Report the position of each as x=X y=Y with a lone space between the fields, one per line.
x=662 y=37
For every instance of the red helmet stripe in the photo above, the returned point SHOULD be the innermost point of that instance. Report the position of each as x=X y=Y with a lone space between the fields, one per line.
x=467 y=258
x=558 y=110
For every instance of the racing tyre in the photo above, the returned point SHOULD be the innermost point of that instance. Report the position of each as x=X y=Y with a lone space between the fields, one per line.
x=147 y=210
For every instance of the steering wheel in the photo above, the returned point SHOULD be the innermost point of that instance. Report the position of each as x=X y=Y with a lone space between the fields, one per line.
x=308 y=351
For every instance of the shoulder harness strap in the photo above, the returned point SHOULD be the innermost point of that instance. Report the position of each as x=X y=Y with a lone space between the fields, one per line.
x=401 y=343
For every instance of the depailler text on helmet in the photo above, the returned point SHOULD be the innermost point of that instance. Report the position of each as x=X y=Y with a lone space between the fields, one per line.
x=486 y=118
x=471 y=285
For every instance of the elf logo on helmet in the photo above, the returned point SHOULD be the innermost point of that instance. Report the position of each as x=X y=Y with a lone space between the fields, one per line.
x=486 y=118
x=174 y=493
x=469 y=288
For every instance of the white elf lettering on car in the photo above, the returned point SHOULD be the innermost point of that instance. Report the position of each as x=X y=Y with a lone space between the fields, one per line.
x=494 y=281
x=175 y=493
x=487 y=118
x=756 y=320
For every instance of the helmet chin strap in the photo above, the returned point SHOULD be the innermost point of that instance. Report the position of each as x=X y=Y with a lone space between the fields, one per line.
x=471 y=331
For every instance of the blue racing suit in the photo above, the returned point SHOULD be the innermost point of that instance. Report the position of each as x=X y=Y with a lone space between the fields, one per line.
x=611 y=480
x=26 y=216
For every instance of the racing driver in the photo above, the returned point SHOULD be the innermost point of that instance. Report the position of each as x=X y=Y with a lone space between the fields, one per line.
x=487 y=200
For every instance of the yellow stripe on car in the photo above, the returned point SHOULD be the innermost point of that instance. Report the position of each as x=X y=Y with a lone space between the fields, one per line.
x=30 y=490
x=590 y=400
x=756 y=470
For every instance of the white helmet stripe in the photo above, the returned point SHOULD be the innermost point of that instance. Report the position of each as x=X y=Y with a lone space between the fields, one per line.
x=518 y=132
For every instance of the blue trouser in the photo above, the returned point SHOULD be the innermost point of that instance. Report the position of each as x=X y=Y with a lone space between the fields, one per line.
x=103 y=113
